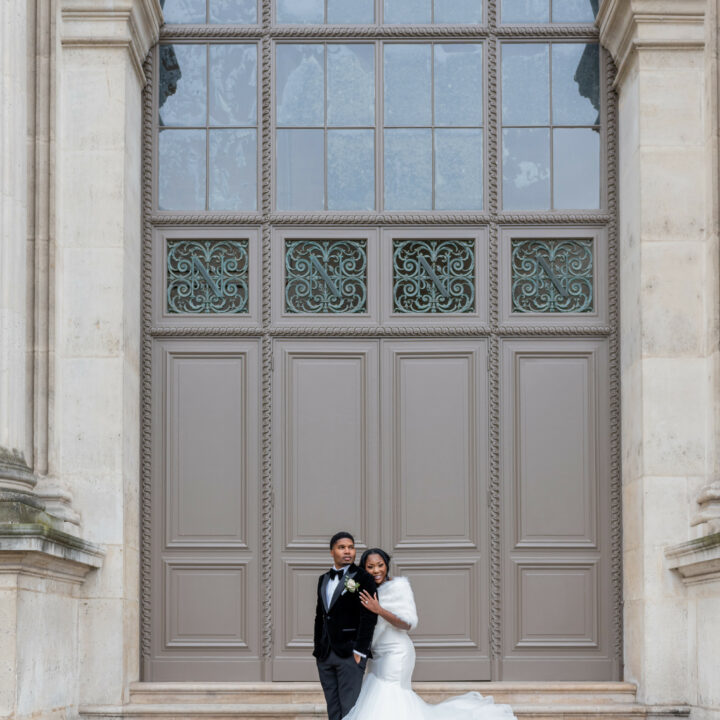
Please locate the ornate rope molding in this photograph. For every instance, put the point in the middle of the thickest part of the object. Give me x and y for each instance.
(146, 379)
(602, 218)
(627, 26)
(579, 32)
(267, 354)
(616, 567)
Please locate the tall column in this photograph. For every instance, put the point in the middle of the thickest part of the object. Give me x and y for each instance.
(95, 425)
(669, 316)
(16, 479)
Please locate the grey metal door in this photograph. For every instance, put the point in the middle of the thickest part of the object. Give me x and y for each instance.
(380, 294)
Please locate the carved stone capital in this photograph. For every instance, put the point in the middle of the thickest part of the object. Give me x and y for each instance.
(697, 561)
(132, 24)
(630, 26)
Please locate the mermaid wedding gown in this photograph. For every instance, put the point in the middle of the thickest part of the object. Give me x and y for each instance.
(386, 693)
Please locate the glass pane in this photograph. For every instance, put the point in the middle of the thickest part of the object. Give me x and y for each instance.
(407, 85)
(301, 11)
(576, 84)
(233, 85)
(181, 173)
(458, 84)
(526, 169)
(408, 169)
(407, 11)
(300, 171)
(182, 84)
(233, 169)
(525, 84)
(458, 170)
(458, 11)
(240, 12)
(351, 85)
(576, 169)
(351, 169)
(351, 12)
(574, 11)
(300, 85)
(525, 11)
(183, 11)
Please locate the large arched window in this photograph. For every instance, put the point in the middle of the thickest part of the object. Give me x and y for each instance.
(380, 277)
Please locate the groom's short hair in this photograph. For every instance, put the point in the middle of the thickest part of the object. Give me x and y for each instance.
(339, 536)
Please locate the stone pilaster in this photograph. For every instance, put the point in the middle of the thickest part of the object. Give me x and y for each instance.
(95, 428)
(669, 317)
(15, 475)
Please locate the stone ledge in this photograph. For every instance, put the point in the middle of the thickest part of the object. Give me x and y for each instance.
(697, 561)
(627, 26)
(41, 551)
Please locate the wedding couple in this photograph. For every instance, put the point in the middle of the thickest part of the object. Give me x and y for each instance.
(364, 613)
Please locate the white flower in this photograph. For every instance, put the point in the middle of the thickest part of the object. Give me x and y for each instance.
(351, 585)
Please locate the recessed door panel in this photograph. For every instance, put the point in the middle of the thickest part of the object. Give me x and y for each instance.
(554, 480)
(434, 484)
(206, 599)
(326, 477)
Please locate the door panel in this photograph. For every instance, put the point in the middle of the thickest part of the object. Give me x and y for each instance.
(326, 477)
(205, 461)
(556, 516)
(435, 469)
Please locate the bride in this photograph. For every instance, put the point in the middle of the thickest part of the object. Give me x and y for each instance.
(386, 693)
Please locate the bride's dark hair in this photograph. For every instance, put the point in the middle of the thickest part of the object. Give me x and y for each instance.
(375, 551)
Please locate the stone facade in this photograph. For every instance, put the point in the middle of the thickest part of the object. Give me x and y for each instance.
(70, 142)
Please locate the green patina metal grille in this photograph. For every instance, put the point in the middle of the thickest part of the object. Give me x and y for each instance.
(434, 276)
(326, 276)
(207, 277)
(552, 276)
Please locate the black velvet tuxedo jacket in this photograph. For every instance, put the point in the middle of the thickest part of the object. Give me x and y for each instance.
(346, 625)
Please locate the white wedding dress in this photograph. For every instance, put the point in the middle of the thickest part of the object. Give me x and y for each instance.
(386, 692)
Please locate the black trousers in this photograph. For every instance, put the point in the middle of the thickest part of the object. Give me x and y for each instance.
(341, 679)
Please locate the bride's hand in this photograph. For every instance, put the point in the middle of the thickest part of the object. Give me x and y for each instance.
(370, 602)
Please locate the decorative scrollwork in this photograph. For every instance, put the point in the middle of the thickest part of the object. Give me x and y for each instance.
(433, 276)
(552, 276)
(326, 276)
(207, 276)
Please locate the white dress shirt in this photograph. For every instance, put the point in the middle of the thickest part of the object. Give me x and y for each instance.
(330, 591)
(332, 585)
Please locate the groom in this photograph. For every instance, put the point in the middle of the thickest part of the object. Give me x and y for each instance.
(343, 627)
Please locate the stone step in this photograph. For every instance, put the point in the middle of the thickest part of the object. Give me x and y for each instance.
(514, 693)
(314, 711)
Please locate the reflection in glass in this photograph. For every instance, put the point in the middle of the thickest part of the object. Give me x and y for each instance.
(576, 84)
(525, 11)
(233, 170)
(576, 169)
(398, 12)
(458, 11)
(351, 169)
(182, 84)
(458, 170)
(408, 169)
(183, 11)
(458, 84)
(233, 85)
(574, 11)
(181, 172)
(525, 84)
(526, 169)
(300, 171)
(239, 12)
(407, 84)
(350, 12)
(351, 85)
(300, 84)
(301, 11)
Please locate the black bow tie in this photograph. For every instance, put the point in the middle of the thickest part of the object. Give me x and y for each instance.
(336, 573)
